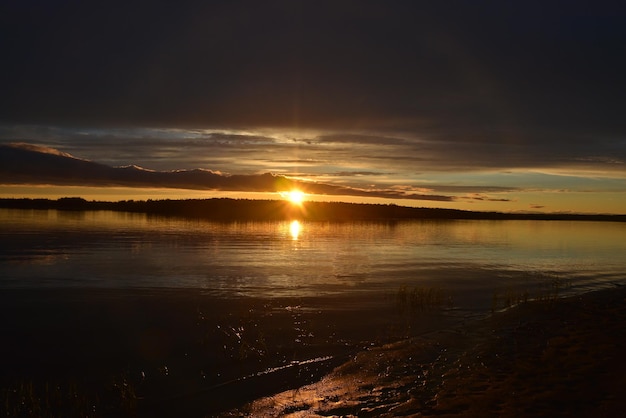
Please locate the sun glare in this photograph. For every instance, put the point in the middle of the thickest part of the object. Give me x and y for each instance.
(295, 196)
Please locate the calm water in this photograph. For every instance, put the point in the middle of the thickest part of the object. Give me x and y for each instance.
(471, 259)
(255, 328)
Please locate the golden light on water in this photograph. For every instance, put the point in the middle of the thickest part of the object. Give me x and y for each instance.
(294, 230)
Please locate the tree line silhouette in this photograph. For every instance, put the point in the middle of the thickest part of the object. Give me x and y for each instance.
(225, 209)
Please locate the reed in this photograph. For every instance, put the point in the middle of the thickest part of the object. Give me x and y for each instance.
(68, 399)
(419, 299)
(548, 293)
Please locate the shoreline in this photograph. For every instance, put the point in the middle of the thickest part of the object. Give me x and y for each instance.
(559, 358)
(183, 348)
(306, 358)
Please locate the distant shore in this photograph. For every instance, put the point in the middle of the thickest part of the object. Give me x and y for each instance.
(224, 209)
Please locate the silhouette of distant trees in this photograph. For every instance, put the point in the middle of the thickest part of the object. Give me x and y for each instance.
(224, 209)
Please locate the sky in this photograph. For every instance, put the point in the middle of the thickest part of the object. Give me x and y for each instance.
(507, 106)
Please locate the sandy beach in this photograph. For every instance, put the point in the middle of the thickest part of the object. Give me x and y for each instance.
(181, 353)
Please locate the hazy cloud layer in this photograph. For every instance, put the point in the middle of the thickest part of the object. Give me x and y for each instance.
(30, 164)
(248, 152)
(332, 164)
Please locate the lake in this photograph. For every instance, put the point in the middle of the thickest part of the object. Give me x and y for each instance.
(188, 310)
(101, 249)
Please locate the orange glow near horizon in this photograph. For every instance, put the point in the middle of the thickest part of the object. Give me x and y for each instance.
(611, 202)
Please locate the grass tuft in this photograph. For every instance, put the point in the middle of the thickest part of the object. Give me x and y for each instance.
(69, 399)
(549, 293)
(419, 299)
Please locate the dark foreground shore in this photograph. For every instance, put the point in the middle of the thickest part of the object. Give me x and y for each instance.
(548, 359)
(183, 353)
(178, 352)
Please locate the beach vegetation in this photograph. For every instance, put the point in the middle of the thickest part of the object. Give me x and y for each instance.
(549, 292)
(30, 399)
(419, 299)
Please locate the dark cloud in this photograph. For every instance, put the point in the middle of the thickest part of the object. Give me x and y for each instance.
(295, 162)
(356, 173)
(400, 159)
(469, 189)
(360, 139)
(458, 70)
(471, 199)
(31, 164)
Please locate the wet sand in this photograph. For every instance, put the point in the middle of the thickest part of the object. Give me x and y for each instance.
(540, 359)
(159, 352)
(172, 352)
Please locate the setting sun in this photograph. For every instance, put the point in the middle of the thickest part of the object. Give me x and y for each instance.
(295, 196)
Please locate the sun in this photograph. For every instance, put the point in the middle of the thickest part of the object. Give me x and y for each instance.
(295, 196)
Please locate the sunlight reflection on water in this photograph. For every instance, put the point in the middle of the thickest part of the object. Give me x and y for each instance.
(294, 229)
(120, 250)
